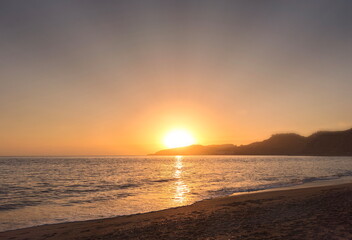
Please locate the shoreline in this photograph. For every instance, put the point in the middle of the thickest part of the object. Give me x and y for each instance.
(316, 183)
(182, 221)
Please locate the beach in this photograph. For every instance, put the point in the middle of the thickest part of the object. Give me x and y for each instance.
(323, 212)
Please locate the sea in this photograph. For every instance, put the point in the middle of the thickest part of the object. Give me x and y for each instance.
(44, 190)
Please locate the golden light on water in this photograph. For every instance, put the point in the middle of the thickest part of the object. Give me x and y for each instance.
(178, 138)
(181, 189)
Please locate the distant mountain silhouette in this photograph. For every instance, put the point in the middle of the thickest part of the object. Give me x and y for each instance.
(338, 143)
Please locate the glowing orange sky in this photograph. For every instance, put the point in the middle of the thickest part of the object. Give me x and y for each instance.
(114, 78)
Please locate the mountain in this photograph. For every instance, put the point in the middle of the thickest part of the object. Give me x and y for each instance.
(337, 143)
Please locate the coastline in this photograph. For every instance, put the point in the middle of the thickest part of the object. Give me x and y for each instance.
(319, 210)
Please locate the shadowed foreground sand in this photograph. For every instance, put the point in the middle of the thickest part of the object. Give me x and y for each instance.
(308, 213)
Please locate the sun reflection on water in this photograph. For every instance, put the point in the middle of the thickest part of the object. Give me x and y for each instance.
(181, 189)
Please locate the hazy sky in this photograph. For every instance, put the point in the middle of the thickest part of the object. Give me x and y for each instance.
(112, 77)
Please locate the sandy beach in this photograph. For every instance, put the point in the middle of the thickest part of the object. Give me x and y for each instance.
(323, 212)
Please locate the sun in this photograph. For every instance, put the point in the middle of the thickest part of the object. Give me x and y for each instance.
(178, 138)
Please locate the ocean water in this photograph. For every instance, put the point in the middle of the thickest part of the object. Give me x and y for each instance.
(42, 190)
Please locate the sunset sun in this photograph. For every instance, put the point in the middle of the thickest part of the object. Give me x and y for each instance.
(178, 138)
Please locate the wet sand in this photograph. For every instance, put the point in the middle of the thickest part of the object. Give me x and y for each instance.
(305, 213)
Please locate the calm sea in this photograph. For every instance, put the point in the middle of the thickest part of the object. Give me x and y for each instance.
(41, 190)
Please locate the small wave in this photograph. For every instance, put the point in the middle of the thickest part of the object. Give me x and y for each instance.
(293, 182)
(128, 185)
(324, 178)
(313, 179)
(344, 174)
(269, 179)
(100, 188)
(13, 206)
(163, 180)
(97, 199)
(77, 185)
(5, 207)
(229, 191)
(73, 191)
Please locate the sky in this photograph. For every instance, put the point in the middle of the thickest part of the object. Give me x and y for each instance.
(113, 77)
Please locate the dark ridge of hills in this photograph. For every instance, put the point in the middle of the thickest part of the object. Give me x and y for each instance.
(325, 143)
(330, 143)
